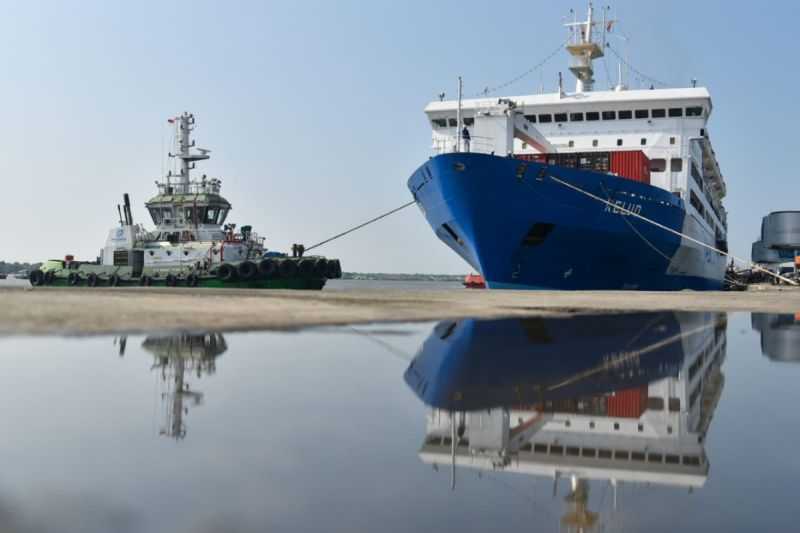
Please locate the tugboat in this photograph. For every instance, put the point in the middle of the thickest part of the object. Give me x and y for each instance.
(192, 245)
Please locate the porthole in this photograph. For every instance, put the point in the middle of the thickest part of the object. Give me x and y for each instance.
(594, 142)
(185, 252)
(169, 252)
(151, 253)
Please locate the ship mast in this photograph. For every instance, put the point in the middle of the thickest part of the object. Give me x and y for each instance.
(584, 50)
(184, 125)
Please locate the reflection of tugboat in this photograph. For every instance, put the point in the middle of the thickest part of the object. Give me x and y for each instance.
(629, 402)
(178, 357)
(191, 245)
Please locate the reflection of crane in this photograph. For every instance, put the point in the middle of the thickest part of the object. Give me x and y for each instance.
(175, 356)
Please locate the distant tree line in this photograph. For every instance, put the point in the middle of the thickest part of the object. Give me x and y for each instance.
(12, 268)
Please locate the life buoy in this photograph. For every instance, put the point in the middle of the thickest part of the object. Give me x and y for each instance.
(74, 279)
(287, 268)
(91, 279)
(306, 267)
(247, 270)
(114, 280)
(226, 272)
(36, 278)
(268, 268)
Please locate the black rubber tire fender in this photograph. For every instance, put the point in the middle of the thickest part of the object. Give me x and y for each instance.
(287, 268)
(306, 267)
(171, 280)
(145, 281)
(247, 270)
(74, 279)
(268, 268)
(192, 280)
(49, 277)
(226, 272)
(320, 268)
(91, 279)
(334, 269)
(36, 278)
(114, 280)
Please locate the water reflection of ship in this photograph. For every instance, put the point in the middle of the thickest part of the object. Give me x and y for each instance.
(624, 398)
(176, 358)
(780, 335)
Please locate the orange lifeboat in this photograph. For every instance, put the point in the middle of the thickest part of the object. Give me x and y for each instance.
(474, 281)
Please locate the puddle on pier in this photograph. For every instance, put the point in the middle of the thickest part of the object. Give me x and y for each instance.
(648, 421)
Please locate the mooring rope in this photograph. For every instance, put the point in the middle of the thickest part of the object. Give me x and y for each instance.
(367, 223)
(670, 230)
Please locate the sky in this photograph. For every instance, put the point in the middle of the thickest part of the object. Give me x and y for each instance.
(313, 110)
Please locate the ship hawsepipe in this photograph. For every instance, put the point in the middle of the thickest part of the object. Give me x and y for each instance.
(522, 230)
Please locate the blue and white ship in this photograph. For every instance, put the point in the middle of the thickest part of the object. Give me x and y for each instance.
(614, 189)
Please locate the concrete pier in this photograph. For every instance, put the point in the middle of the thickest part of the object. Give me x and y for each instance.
(104, 310)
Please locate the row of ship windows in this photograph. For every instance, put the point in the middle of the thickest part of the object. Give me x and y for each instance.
(626, 114)
(596, 142)
(624, 455)
(591, 116)
(600, 453)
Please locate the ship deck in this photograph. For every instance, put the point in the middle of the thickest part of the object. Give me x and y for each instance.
(69, 311)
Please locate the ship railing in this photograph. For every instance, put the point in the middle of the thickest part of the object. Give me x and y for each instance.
(208, 186)
(477, 144)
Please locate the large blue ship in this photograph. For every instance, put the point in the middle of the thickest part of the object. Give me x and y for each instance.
(614, 189)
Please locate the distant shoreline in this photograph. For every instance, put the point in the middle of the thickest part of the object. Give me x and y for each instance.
(379, 276)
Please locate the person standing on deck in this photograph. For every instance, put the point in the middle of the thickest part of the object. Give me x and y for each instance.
(466, 138)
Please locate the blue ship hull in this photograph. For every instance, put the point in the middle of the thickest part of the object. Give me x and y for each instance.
(473, 364)
(522, 230)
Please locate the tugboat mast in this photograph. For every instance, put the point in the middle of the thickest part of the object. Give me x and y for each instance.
(184, 125)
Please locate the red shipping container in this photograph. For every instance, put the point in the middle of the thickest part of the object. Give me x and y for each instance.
(628, 403)
(633, 165)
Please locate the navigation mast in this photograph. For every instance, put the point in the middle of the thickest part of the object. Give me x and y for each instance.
(584, 50)
(184, 125)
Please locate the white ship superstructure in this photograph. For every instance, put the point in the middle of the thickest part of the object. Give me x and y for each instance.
(189, 217)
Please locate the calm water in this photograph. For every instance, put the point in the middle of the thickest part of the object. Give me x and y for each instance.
(643, 422)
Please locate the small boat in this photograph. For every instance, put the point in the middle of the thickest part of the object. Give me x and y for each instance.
(474, 281)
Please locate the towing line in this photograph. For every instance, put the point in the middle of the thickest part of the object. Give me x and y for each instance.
(670, 230)
(367, 223)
